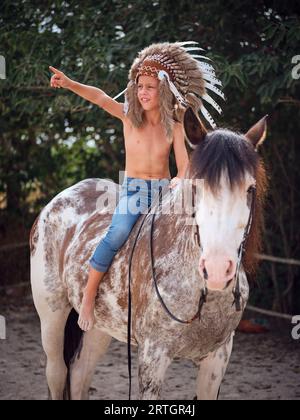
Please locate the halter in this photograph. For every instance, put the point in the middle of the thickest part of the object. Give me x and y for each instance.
(204, 290)
(203, 295)
(236, 285)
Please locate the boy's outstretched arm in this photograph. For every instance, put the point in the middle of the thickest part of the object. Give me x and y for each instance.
(90, 93)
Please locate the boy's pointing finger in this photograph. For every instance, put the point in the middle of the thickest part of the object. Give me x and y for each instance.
(54, 70)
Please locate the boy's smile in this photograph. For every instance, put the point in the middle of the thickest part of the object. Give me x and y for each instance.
(148, 92)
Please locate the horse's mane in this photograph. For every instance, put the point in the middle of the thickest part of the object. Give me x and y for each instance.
(254, 242)
(224, 151)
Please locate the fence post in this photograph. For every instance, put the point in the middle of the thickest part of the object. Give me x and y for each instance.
(2, 328)
(2, 67)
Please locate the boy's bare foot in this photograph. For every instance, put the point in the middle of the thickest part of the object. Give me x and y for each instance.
(86, 316)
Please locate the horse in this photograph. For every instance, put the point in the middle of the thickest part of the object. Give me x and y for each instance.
(68, 229)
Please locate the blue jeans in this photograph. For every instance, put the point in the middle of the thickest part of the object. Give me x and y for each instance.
(135, 198)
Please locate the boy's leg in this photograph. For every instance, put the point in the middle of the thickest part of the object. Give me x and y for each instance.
(124, 218)
(122, 223)
(86, 316)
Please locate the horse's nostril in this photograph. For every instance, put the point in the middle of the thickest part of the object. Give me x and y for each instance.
(230, 269)
(205, 273)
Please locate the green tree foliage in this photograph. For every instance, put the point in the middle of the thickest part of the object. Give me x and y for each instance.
(50, 139)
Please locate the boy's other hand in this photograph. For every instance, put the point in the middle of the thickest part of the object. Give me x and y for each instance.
(174, 182)
(59, 79)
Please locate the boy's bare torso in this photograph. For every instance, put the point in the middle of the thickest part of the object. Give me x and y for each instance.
(147, 151)
(147, 148)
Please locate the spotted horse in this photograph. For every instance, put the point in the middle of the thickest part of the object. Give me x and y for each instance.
(228, 218)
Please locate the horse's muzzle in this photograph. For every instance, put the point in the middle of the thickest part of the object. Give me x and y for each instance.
(217, 271)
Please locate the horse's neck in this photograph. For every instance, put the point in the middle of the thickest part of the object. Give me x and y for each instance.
(174, 235)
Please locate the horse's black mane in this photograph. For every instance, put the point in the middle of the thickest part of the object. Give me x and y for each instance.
(223, 151)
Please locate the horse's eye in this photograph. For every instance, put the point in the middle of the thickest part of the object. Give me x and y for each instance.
(251, 189)
(250, 195)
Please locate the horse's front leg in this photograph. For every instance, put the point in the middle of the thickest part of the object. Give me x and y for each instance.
(154, 361)
(212, 370)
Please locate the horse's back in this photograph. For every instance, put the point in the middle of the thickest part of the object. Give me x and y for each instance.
(83, 199)
(82, 210)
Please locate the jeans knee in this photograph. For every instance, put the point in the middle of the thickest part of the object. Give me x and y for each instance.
(117, 237)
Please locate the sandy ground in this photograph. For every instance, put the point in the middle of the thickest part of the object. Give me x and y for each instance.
(262, 366)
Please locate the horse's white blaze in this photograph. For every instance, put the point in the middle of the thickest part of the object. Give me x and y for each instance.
(222, 219)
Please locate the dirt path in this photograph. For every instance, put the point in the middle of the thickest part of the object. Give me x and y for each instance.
(265, 366)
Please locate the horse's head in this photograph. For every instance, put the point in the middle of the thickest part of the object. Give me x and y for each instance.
(231, 169)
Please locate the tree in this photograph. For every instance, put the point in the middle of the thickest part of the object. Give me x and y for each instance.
(51, 139)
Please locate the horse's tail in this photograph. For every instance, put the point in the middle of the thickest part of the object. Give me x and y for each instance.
(72, 348)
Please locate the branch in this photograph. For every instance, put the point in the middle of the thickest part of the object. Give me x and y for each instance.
(269, 313)
(291, 101)
(47, 89)
(10, 247)
(289, 261)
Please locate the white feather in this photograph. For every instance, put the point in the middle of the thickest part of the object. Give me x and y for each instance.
(206, 66)
(120, 94)
(190, 43)
(186, 42)
(200, 56)
(215, 90)
(207, 71)
(207, 116)
(193, 49)
(212, 102)
(213, 80)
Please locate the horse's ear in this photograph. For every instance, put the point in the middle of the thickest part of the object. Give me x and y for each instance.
(193, 127)
(258, 132)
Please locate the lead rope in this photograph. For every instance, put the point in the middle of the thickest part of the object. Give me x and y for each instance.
(204, 291)
(175, 318)
(129, 304)
(203, 295)
(236, 288)
(129, 296)
(202, 299)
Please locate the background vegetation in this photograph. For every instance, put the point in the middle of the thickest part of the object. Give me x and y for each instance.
(50, 139)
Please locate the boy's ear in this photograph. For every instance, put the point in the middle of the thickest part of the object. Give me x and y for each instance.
(195, 131)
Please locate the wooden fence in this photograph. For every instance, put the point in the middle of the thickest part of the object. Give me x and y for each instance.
(264, 257)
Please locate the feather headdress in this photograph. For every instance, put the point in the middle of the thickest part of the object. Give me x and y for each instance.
(184, 81)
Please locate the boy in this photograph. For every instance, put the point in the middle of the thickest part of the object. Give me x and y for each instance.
(152, 122)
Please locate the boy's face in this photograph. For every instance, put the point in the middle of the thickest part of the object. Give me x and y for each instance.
(148, 94)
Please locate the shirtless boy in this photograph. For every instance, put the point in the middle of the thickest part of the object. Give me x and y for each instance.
(147, 144)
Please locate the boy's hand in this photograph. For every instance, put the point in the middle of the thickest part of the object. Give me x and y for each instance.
(59, 79)
(174, 182)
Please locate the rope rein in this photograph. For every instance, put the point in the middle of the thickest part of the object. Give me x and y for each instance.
(202, 300)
